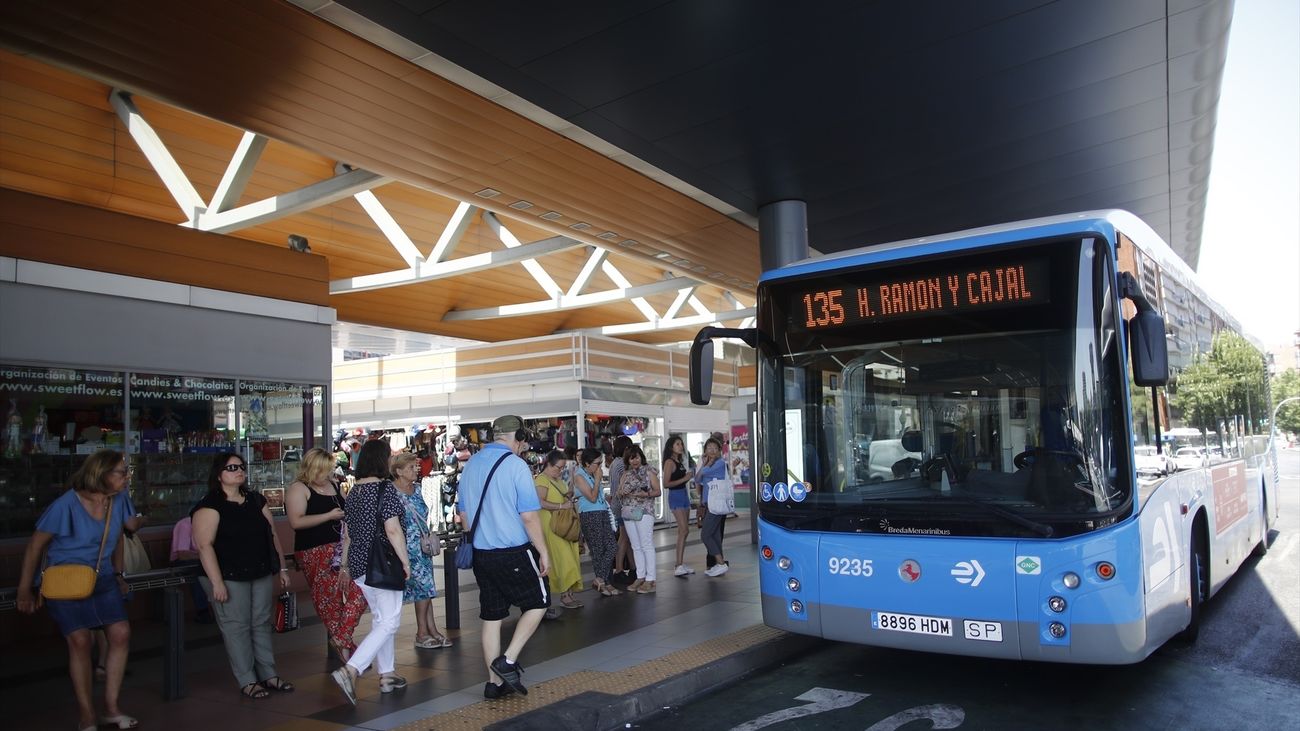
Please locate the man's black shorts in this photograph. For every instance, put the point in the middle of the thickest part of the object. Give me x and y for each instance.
(509, 577)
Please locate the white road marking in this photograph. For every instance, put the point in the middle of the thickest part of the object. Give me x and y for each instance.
(823, 699)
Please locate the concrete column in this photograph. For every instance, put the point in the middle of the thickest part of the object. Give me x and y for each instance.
(782, 233)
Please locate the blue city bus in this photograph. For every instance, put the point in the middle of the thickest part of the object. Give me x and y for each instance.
(945, 445)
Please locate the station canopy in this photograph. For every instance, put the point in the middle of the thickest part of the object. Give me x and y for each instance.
(495, 171)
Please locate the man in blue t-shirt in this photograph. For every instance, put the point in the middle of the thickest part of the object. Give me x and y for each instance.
(510, 558)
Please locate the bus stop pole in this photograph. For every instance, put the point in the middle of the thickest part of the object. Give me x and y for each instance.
(451, 585)
(173, 643)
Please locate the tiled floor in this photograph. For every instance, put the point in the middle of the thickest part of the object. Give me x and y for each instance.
(607, 635)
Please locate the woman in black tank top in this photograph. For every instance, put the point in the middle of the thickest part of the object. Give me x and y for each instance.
(676, 481)
(315, 509)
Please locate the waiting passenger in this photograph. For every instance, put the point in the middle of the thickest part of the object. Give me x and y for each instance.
(566, 575)
(598, 527)
(624, 565)
(712, 467)
(420, 545)
(185, 554)
(637, 491)
(83, 526)
(314, 506)
(240, 552)
(676, 481)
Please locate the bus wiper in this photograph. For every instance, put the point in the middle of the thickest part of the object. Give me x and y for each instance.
(1041, 529)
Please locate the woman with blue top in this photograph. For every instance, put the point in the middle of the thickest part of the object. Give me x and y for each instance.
(420, 542)
(712, 467)
(596, 518)
(84, 526)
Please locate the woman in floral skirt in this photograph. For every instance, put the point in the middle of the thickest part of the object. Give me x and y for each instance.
(314, 506)
(420, 587)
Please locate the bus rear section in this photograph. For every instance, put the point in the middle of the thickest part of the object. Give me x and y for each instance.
(1078, 600)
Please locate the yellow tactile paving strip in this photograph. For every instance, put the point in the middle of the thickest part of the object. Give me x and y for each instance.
(475, 717)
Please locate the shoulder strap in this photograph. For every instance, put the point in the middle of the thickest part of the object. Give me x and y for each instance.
(379, 505)
(479, 512)
(104, 538)
(420, 525)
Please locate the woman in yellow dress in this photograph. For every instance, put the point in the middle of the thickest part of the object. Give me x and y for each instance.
(565, 576)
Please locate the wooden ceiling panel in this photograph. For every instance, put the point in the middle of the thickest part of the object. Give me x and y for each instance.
(327, 96)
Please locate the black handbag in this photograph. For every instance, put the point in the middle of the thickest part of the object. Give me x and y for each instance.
(384, 568)
(465, 551)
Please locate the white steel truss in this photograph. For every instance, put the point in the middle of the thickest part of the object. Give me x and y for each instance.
(220, 215)
(423, 272)
(568, 301)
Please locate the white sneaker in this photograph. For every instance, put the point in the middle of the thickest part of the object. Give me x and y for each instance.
(717, 570)
(682, 570)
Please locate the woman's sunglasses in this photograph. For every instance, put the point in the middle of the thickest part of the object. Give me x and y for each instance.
(235, 468)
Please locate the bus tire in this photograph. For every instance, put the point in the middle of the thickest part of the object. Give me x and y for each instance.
(1198, 566)
(1261, 548)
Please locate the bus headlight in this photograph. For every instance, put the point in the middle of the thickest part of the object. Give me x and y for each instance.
(796, 606)
(1056, 604)
(1071, 580)
(784, 563)
(1056, 629)
(792, 584)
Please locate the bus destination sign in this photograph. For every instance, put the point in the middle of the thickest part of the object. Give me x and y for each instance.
(1012, 284)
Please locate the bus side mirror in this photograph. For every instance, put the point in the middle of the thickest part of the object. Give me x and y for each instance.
(702, 367)
(1147, 348)
(1146, 336)
(702, 358)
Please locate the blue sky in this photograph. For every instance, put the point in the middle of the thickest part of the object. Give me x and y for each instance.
(1250, 246)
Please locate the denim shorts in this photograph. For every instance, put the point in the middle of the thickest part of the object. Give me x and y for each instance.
(679, 498)
(104, 607)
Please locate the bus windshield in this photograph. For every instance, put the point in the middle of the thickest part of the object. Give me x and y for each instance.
(946, 419)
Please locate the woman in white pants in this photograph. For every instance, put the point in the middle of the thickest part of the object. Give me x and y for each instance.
(373, 501)
(637, 491)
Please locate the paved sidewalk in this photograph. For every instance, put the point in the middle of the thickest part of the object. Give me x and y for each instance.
(615, 636)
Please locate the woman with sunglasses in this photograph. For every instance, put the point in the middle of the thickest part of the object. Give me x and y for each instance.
(71, 531)
(315, 509)
(240, 553)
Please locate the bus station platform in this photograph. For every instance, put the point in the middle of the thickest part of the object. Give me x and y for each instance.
(608, 663)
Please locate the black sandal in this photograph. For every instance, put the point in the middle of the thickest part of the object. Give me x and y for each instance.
(254, 690)
(280, 684)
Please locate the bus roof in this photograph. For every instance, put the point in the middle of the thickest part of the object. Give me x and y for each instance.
(1102, 222)
(1097, 222)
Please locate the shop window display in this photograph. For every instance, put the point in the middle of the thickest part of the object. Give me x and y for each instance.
(279, 421)
(52, 419)
(176, 424)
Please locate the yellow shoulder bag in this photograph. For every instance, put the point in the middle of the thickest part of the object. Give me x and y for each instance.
(72, 581)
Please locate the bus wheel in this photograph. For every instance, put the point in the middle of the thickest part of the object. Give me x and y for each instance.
(1198, 568)
(1261, 548)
